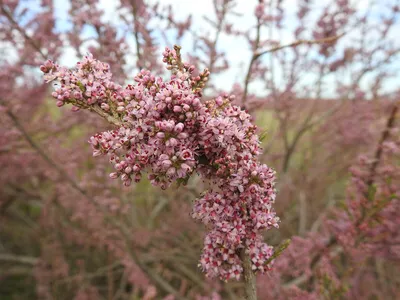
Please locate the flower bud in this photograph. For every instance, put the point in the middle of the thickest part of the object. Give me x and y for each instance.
(182, 135)
(127, 182)
(219, 101)
(160, 135)
(171, 171)
(114, 175)
(172, 142)
(179, 127)
(163, 157)
(177, 109)
(105, 106)
(166, 163)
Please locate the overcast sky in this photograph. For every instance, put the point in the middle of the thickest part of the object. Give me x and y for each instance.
(237, 50)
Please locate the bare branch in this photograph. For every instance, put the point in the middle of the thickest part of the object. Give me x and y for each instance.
(300, 42)
(248, 276)
(110, 119)
(136, 33)
(124, 230)
(274, 49)
(18, 259)
(22, 31)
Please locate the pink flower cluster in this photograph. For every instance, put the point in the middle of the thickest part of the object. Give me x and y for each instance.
(372, 217)
(89, 84)
(169, 133)
(240, 207)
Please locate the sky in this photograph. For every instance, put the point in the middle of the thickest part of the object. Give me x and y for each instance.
(237, 50)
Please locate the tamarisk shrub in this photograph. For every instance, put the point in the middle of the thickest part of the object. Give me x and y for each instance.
(357, 240)
(292, 65)
(164, 129)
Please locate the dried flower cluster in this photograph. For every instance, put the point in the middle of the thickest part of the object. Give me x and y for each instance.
(166, 131)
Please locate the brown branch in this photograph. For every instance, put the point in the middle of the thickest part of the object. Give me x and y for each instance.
(274, 49)
(10, 18)
(18, 259)
(333, 241)
(50, 161)
(99, 272)
(300, 42)
(16, 271)
(136, 34)
(379, 151)
(252, 61)
(154, 276)
(160, 282)
(213, 56)
(307, 125)
(303, 213)
(191, 275)
(110, 119)
(249, 277)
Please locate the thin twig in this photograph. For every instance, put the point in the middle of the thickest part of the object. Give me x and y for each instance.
(136, 33)
(302, 213)
(379, 150)
(39, 150)
(252, 61)
(278, 251)
(18, 259)
(307, 124)
(124, 231)
(378, 156)
(277, 48)
(21, 30)
(110, 119)
(300, 42)
(213, 56)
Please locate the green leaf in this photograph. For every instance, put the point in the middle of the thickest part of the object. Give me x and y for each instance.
(371, 192)
(279, 250)
(81, 86)
(263, 135)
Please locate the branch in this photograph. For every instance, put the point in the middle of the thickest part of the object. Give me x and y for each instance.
(279, 250)
(22, 31)
(378, 154)
(248, 276)
(18, 259)
(136, 34)
(274, 49)
(155, 277)
(300, 42)
(191, 275)
(126, 233)
(213, 55)
(307, 124)
(110, 119)
(50, 161)
(296, 281)
(303, 211)
(384, 137)
(252, 61)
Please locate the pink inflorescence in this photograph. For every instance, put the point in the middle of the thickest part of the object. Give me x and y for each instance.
(169, 133)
